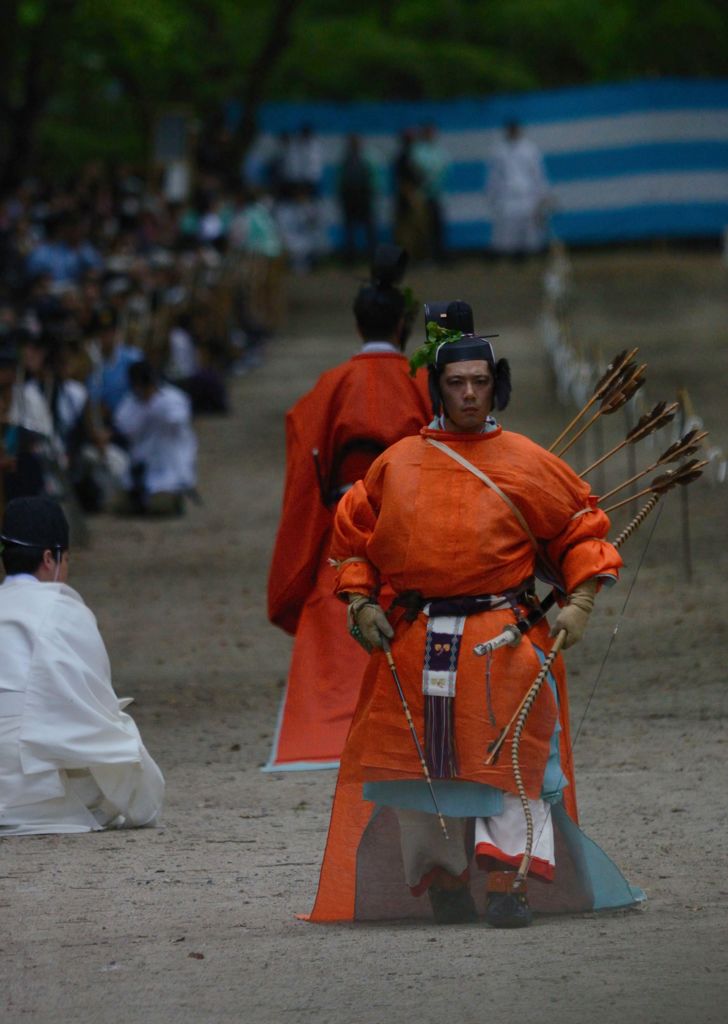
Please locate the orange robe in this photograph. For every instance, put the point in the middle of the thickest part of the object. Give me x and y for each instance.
(370, 398)
(419, 521)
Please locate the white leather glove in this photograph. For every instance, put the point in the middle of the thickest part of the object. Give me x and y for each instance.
(367, 622)
(574, 616)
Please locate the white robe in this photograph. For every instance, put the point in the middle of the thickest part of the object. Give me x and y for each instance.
(71, 760)
(160, 435)
(29, 409)
(517, 194)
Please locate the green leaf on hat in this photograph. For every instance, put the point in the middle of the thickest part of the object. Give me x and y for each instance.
(426, 354)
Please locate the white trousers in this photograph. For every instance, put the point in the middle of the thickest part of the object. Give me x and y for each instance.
(502, 836)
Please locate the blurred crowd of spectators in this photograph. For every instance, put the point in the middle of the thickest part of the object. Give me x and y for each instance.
(124, 307)
(121, 315)
(114, 269)
(289, 169)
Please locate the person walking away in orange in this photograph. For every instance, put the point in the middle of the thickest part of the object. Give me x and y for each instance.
(333, 434)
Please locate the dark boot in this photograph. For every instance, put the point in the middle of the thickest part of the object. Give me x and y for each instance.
(452, 906)
(506, 907)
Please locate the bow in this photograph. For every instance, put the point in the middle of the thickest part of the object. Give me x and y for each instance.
(512, 635)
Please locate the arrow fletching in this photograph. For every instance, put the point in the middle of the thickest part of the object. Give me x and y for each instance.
(691, 471)
(618, 381)
(625, 390)
(681, 476)
(688, 444)
(615, 369)
(657, 418)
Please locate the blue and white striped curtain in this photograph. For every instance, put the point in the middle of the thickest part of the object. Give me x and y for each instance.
(626, 161)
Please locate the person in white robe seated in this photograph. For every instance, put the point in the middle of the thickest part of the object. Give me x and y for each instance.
(71, 759)
(155, 420)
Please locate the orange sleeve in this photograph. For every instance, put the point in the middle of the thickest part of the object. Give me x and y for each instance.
(564, 516)
(303, 530)
(581, 550)
(353, 526)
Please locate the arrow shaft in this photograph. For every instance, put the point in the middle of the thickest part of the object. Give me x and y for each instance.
(620, 394)
(582, 412)
(601, 389)
(687, 446)
(413, 731)
(631, 480)
(660, 415)
(580, 433)
(603, 458)
(633, 497)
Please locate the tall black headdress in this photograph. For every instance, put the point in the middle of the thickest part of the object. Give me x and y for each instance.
(388, 264)
(380, 305)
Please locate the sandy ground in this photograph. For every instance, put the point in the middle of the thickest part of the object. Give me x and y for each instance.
(194, 922)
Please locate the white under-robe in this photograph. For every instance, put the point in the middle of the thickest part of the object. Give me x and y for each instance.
(71, 760)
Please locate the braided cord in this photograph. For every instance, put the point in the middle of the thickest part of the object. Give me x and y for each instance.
(637, 521)
(520, 878)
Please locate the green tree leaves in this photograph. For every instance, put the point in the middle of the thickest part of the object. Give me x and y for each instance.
(82, 75)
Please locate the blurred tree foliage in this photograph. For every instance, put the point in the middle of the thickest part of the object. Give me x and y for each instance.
(81, 78)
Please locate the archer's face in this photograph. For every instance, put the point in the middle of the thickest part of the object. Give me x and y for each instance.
(467, 394)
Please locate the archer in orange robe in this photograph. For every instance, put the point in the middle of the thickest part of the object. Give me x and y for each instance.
(354, 411)
(421, 522)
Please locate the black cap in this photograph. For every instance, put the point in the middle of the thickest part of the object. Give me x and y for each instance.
(459, 317)
(35, 522)
(466, 348)
(388, 264)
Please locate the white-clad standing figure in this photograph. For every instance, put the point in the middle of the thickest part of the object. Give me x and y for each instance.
(518, 194)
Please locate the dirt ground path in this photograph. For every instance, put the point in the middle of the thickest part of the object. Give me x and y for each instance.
(194, 922)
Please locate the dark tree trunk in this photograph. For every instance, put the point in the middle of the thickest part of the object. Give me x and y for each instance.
(28, 64)
(274, 44)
